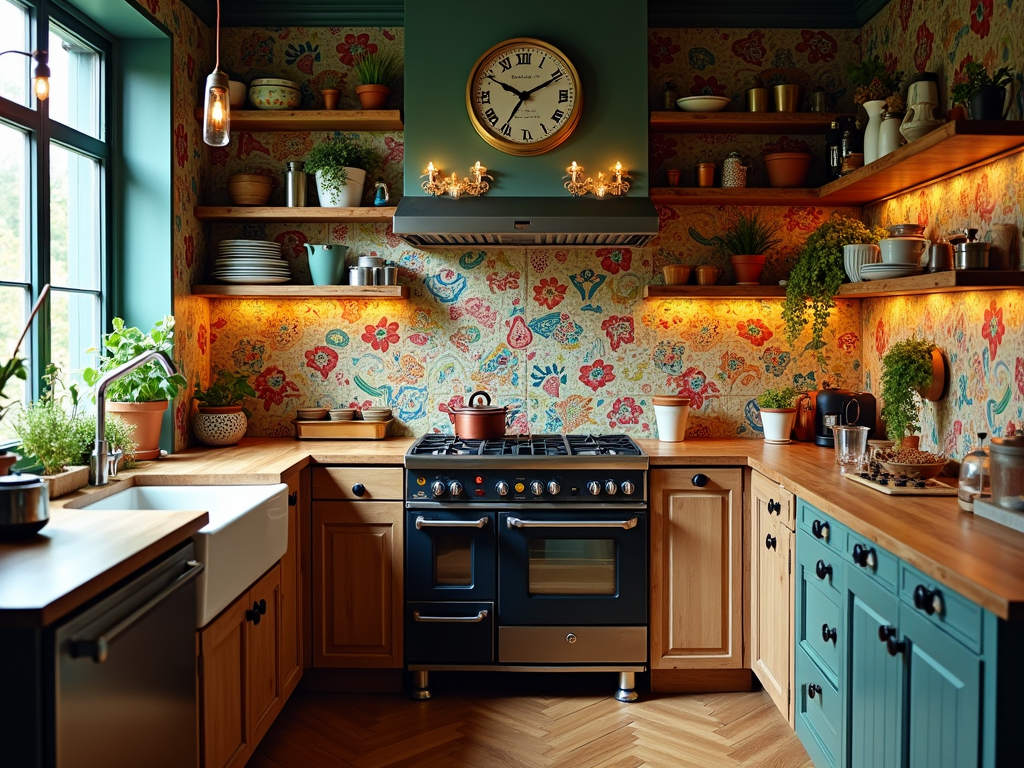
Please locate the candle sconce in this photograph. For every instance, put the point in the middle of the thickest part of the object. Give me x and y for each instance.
(580, 185)
(436, 183)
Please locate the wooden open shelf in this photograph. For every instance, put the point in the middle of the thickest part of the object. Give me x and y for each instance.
(714, 292)
(251, 120)
(733, 196)
(307, 215)
(767, 123)
(302, 291)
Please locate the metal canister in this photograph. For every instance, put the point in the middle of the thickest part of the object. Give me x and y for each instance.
(360, 275)
(295, 184)
(371, 261)
(378, 275)
(390, 275)
(971, 255)
(940, 257)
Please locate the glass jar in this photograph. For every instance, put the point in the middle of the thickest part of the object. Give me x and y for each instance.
(974, 475)
(1008, 472)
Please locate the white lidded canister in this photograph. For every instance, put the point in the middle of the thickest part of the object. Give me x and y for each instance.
(671, 412)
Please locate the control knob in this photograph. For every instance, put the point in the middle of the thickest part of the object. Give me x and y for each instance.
(537, 488)
(627, 488)
(455, 488)
(437, 489)
(594, 487)
(611, 488)
(502, 488)
(554, 488)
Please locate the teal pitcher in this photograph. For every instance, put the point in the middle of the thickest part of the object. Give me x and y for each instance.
(326, 263)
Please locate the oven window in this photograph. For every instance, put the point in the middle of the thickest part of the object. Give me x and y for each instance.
(572, 567)
(453, 560)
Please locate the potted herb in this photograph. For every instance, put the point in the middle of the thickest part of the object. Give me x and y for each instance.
(875, 84)
(817, 275)
(984, 95)
(745, 245)
(142, 396)
(778, 414)
(340, 165)
(378, 73)
(118, 433)
(221, 419)
(787, 162)
(908, 373)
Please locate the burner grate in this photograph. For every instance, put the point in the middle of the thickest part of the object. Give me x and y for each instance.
(602, 445)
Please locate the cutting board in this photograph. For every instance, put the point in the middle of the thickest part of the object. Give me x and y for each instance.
(932, 488)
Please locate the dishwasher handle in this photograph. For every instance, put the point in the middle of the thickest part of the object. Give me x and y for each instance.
(97, 648)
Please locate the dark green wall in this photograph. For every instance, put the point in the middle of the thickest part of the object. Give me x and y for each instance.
(606, 40)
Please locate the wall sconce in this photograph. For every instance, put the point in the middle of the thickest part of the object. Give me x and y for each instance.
(217, 110)
(437, 184)
(41, 74)
(578, 185)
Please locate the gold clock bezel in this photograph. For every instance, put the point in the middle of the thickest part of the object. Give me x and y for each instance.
(518, 148)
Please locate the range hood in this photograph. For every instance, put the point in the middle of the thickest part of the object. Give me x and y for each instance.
(525, 221)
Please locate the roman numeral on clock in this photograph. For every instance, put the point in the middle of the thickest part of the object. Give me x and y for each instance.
(492, 116)
(506, 64)
(557, 115)
(485, 97)
(563, 96)
(506, 130)
(543, 127)
(527, 136)
(523, 58)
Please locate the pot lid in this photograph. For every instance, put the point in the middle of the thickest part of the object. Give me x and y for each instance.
(677, 400)
(1013, 446)
(20, 481)
(474, 405)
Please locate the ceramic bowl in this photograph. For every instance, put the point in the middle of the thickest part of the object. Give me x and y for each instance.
(236, 94)
(702, 103)
(906, 230)
(903, 250)
(922, 471)
(311, 414)
(249, 189)
(343, 414)
(676, 274)
(856, 255)
(269, 93)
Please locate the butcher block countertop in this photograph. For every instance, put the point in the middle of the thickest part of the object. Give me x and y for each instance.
(980, 559)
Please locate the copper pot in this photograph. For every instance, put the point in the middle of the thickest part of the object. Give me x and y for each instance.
(803, 428)
(480, 422)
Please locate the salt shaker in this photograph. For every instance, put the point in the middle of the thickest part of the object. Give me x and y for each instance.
(295, 184)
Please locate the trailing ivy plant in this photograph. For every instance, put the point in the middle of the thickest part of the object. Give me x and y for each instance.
(781, 397)
(330, 159)
(906, 372)
(751, 236)
(817, 275)
(148, 383)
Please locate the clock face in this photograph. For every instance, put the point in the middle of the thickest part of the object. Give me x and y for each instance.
(524, 97)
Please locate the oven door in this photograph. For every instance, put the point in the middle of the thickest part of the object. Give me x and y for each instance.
(572, 567)
(450, 555)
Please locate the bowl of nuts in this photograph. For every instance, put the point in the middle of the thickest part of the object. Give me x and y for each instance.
(911, 463)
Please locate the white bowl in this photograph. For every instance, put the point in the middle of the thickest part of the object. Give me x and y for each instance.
(702, 103)
(856, 255)
(904, 250)
(888, 271)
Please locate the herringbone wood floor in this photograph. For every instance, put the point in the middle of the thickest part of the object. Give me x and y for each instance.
(491, 726)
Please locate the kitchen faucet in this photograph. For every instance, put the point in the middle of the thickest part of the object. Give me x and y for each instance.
(99, 466)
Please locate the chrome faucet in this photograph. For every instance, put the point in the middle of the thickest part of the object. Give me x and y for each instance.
(99, 462)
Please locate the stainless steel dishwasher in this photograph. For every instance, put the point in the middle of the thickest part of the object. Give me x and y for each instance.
(125, 673)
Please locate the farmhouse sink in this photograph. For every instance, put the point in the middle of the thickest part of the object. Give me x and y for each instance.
(246, 535)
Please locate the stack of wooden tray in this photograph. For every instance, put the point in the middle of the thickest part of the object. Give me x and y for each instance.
(341, 430)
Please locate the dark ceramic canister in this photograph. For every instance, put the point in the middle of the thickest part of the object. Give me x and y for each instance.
(988, 103)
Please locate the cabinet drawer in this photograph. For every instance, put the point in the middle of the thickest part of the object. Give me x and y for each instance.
(818, 717)
(870, 559)
(820, 610)
(449, 633)
(778, 502)
(820, 526)
(812, 557)
(376, 483)
(951, 611)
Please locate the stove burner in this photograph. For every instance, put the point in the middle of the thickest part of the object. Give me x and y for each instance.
(436, 444)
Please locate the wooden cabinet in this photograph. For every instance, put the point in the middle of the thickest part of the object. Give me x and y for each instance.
(772, 520)
(240, 674)
(293, 568)
(696, 575)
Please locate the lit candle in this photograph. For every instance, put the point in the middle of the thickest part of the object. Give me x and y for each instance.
(599, 187)
(478, 171)
(431, 171)
(574, 170)
(454, 189)
(618, 172)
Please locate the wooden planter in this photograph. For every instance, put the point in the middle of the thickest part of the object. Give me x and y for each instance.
(71, 479)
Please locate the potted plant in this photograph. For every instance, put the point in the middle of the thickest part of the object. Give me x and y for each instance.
(14, 368)
(142, 396)
(221, 419)
(118, 433)
(745, 245)
(908, 374)
(984, 95)
(378, 73)
(340, 165)
(778, 413)
(875, 83)
(787, 162)
(817, 275)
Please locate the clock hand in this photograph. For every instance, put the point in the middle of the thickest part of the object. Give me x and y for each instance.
(507, 87)
(542, 85)
(515, 109)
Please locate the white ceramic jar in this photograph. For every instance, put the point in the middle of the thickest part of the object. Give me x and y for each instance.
(672, 413)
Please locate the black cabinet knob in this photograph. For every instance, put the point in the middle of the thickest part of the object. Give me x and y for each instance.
(770, 542)
(261, 606)
(359, 489)
(894, 646)
(774, 506)
(813, 690)
(864, 556)
(828, 634)
(821, 570)
(293, 497)
(820, 529)
(253, 614)
(927, 600)
(885, 632)
(700, 480)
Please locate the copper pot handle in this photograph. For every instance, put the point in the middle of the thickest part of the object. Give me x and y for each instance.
(479, 393)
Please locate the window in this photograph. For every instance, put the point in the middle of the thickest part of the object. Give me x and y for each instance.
(54, 158)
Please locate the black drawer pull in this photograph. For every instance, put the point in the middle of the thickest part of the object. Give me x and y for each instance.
(293, 497)
(928, 600)
(821, 570)
(828, 634)
(820, 530)
(359, 490)
(770, 542)
(885, 632)
(865, 557)
(258, 610)
(894, 646)
(774, 506)
(700, 480)
(813, 690)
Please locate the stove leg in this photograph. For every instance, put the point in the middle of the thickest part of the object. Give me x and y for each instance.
(421, 686)
(627, 687)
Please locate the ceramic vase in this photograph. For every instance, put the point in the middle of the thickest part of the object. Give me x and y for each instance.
(889, 136)
(777, 424)
(219, 426)
(923, 115)
(874, 110)
(350, 195)
(147, 418)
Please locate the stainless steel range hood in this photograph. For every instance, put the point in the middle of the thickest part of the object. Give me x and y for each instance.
(525, 221)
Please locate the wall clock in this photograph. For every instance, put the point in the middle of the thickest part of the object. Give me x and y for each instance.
(524, 96)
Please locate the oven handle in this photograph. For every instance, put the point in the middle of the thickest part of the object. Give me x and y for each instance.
(417, 616)
(423, 522)
(515, 522)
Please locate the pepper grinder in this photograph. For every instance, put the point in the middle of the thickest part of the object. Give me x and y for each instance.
(295, 184)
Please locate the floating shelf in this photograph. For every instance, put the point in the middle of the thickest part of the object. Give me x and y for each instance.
(314, 120)
(767, 123)
(302, 291)
(307, 215)
(733, 196)
(714, 292)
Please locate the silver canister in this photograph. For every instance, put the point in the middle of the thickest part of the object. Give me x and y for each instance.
(390, 275)
(971, 255)
(940, 257)
(378, 275)
(295, 184)
(371, 261)
(24, 505)
(360, 275)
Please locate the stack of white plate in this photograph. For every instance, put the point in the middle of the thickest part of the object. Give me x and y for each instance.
(253, 262)
(888, 271)
(343, 414)
(376, 414)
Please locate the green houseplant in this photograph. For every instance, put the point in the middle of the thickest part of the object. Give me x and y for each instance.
(984, 95)
(873, 80)
(143, 395)
(221, 418)
(14, 368)
(340, 165)
(778, 414)
(746, 243)
(378, 73)
(118, 433)
(817, 275)
(907, 375)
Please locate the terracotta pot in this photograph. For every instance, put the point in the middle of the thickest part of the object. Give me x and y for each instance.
(911, 442)
(219, 426)
(777, 424)
(748, 268)
(788, 169)
(957, 113)
(373, 96)
(330, 97)
(147, 418)
(480, 422)
(7, 460)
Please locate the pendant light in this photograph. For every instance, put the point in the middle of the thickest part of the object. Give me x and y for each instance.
(217, 110)
(41, 73)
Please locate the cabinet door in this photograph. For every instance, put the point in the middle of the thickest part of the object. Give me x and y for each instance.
(291, 591)
(771, 610)
(876, 677)
(696, 569)
(224, 688)
(944, 696)
(357, 584)
(264, 643)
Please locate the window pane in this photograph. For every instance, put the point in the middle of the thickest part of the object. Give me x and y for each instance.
(13, 199)
(13, 311)
(74, 83)
(14, 26)
(75, 224)
(74, 328)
